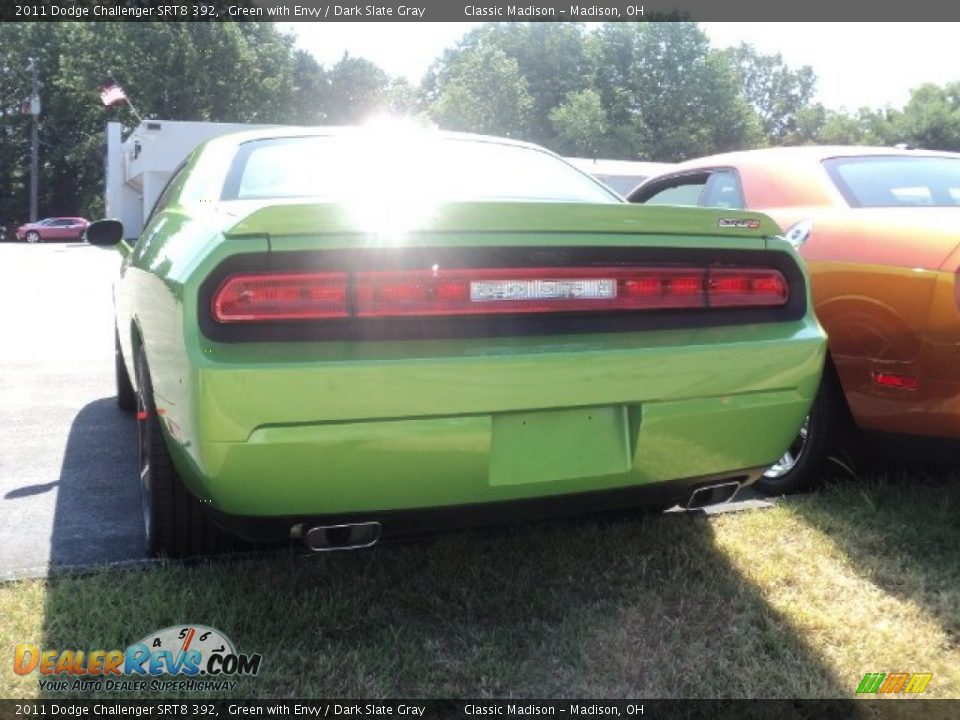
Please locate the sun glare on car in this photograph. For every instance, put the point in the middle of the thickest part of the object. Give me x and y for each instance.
(392, 187)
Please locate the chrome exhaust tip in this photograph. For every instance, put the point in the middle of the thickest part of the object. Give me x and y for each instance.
(351, 536)
(713, 495)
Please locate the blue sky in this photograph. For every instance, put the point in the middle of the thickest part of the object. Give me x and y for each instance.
(857, 64)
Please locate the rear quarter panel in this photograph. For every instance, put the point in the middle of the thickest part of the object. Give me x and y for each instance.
(874, 278)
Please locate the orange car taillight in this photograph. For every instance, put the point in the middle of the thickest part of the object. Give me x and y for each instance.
(956, 288)
(897, 381)
(287, 296)
(494, 291)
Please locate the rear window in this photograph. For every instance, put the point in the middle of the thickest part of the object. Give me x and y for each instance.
(897, 181)
(679, 191)
(621, 183)
(341, 168)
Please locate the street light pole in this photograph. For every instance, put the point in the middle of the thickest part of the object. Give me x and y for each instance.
(34, 139)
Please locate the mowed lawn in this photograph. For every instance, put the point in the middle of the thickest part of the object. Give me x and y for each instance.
(796, 601)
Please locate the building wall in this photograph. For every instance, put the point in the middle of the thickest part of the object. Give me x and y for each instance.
(137, 168)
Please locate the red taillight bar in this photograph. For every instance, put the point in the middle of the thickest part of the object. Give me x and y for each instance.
(493, 291)
(286, 296)
(747, 287)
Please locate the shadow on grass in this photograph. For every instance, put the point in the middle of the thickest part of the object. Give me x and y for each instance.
(901, 529)
(613, 606)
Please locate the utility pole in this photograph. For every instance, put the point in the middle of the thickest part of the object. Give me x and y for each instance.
(34, 139)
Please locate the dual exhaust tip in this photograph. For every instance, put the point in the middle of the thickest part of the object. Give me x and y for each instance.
(349, 536)
(356, 536)
(713, 494)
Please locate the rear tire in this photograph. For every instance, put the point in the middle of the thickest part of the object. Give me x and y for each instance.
(175, 522)
(126, 395)
(802, 465)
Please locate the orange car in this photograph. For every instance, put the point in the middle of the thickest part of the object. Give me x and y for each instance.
(880, 231)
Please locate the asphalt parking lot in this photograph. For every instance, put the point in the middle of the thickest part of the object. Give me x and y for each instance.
(68, 494)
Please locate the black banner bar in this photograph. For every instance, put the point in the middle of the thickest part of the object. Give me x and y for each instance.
(443, 709)
(478, 11)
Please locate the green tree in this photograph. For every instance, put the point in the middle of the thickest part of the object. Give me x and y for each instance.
(616, 48)
(809, 122)
(358, 90)
(777, 93)
(931, 118)
(552, 58)
(401, 98)
(14, 127)
(839, 127)
(310, 102)
(670, 97)
(580, 123)
(481, 91)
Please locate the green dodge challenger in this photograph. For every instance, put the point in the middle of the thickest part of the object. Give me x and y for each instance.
(333, 334)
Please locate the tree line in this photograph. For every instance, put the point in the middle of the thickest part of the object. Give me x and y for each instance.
(651, 91)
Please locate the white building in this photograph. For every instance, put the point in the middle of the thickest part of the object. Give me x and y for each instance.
(137, 169)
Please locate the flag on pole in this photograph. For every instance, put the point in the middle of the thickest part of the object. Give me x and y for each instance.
(111, 94)
(30, 105)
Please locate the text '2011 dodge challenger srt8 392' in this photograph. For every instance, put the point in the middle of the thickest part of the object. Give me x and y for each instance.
(331, 334)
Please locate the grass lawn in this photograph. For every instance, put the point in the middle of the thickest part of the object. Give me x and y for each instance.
(796, 601)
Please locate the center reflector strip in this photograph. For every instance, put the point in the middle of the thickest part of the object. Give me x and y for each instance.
(494, 290)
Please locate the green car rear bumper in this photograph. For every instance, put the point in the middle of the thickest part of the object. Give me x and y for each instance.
(269, 435)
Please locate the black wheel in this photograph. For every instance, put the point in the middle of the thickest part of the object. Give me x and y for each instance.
(802, 465)
(33, 237)
(126, 396)
(175, 522)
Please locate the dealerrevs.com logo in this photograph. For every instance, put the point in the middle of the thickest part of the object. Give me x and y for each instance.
(204, 657)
